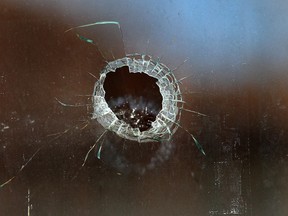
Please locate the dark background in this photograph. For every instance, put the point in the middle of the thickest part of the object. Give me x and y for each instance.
(237, 54)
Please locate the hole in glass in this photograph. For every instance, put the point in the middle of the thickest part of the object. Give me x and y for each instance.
(134, 97)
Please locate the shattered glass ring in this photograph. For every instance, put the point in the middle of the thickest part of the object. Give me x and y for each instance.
(167, 120)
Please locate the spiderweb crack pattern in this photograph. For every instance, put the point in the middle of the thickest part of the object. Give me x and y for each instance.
(167, 120)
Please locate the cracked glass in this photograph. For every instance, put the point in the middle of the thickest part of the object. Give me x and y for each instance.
(229, 60)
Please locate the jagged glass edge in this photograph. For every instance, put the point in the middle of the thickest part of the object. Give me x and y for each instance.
(168, 119)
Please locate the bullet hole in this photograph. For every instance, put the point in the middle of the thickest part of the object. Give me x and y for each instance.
(133, 97)
(138, 98)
